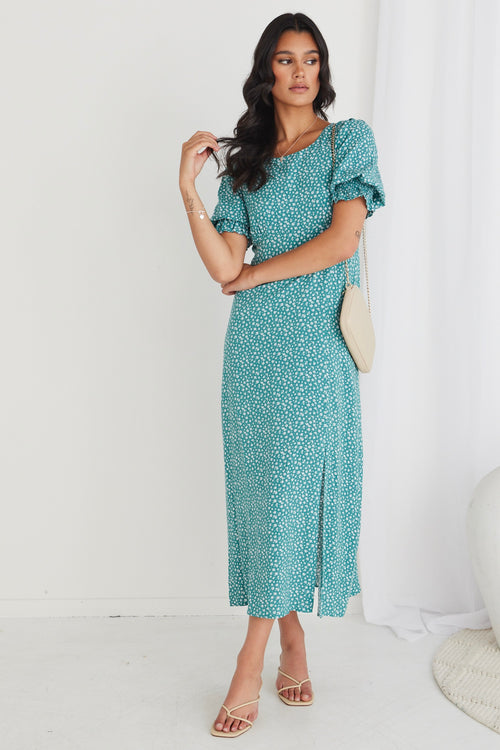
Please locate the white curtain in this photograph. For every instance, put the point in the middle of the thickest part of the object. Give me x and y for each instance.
(432, 401)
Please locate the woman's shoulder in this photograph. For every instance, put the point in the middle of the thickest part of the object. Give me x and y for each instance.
(354, 138)
(353, 128)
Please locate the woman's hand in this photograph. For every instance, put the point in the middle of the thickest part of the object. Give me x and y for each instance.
(245, 280)
(191, 161)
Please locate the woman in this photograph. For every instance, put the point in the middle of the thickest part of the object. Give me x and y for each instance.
(290, 397)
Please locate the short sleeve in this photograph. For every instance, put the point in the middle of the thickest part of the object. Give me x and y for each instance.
(355, 171)
(230, 213)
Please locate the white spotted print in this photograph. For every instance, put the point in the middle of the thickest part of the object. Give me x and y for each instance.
(290, 406)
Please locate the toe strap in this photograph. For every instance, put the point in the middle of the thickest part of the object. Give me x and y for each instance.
(234, 708)
(297, 683)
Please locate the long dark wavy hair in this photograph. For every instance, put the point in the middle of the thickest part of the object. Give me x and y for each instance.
(255, 134)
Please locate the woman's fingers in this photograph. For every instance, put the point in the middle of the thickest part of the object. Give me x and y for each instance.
(200, 141)
(205, 133)
(195, 152)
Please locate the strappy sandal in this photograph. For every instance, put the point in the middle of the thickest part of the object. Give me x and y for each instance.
(292, 687)
(231, 733)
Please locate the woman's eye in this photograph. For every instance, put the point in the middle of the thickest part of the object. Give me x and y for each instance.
(286, 60)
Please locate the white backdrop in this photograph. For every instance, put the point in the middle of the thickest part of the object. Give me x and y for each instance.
(432, 403)
(112, 331)
(112, 483)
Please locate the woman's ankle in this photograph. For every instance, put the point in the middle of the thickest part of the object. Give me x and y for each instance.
(292, 636)
(290, 648)
(250, 662)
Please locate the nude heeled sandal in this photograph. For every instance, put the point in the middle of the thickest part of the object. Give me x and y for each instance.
(292, 687)
(219, 733)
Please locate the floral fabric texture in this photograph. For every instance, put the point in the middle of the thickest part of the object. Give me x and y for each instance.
(290, 406)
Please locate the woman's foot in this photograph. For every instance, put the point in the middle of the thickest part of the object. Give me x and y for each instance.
(293, 661)
(245, 686)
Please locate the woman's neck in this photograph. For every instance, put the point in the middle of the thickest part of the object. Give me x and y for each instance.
(292, 121)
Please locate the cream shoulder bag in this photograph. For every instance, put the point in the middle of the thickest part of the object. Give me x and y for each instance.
(355, 315)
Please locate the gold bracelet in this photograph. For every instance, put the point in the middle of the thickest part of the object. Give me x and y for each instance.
(200, 211)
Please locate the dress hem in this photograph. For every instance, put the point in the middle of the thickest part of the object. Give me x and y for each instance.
(338, 611)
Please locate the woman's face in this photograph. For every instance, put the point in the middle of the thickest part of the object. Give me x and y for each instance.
(295, 65)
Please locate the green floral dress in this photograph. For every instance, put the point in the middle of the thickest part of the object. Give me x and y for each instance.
(290, 405)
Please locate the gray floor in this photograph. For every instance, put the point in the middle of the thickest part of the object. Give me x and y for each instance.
(145, 683)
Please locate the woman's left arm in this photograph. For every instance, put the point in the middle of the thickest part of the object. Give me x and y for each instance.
(336, 244)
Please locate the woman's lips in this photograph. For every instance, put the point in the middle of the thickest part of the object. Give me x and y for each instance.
(299, 88)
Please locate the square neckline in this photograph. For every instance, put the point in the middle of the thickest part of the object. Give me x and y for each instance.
(301, 150)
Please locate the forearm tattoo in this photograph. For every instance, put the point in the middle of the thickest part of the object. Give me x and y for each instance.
(189, 201)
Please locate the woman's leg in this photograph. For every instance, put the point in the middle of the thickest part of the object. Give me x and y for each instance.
(247, 681)
(293, 658)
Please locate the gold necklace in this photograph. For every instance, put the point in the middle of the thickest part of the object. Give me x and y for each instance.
(295, 141)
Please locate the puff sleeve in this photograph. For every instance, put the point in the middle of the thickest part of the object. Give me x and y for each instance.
(230, 213)
(355, 171)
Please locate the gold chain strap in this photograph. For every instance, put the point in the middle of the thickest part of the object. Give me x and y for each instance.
(365, 257)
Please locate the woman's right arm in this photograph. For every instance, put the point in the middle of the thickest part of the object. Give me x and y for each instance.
(223, 254)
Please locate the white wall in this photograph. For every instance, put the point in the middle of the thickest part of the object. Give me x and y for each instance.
(112, 482)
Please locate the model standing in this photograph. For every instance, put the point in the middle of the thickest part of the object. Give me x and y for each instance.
(290, 402)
